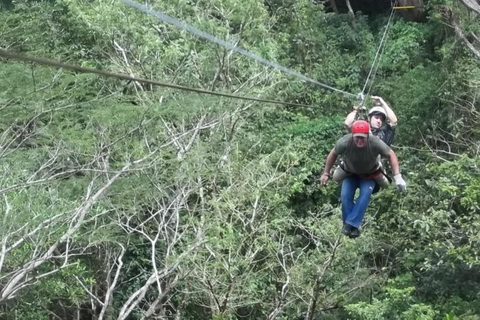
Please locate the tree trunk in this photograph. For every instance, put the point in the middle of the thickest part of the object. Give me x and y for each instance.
(334, 6)
(350, 10)
(472, 5)
(450, 20)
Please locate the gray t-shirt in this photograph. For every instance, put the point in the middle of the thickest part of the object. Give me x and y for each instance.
(361, 160)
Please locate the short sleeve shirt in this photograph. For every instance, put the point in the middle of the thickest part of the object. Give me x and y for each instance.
(361, 160)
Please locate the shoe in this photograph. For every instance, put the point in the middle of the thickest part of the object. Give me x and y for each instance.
(354, 233)
(347, 229)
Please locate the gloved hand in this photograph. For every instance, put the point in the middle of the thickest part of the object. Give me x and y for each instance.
(401, 184)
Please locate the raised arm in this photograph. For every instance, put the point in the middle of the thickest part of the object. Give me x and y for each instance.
(392, 118)
(351, 117)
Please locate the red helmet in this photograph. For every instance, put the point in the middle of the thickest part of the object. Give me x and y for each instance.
(360, 128)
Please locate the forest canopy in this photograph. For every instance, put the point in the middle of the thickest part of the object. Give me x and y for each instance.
(127, 200)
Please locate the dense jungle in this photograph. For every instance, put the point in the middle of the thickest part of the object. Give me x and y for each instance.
(127, 200)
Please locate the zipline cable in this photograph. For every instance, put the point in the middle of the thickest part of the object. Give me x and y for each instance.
(378, 53)
(378, 64)
(374, 75)
(56, 64)
(168, 19)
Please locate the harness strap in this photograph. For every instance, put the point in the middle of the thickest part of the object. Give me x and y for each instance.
(375, 174)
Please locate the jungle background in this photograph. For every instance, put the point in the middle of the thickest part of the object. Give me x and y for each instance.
(121, 200)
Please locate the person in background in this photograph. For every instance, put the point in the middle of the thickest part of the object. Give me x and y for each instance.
(381, 118)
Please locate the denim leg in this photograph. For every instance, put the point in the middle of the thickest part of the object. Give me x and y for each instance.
(349, 185)
(355, 217)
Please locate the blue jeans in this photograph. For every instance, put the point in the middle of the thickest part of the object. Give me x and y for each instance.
(353, 212)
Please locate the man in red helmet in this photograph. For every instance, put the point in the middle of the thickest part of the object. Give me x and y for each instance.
(360, 151)
(382, 121)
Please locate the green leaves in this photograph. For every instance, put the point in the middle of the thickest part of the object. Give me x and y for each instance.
(398, 302)
(221, 214)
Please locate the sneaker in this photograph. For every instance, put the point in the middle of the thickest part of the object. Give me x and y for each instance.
(347, 229)
(354, 233)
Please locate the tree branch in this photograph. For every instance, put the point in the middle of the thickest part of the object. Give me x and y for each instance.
(472, 5)
(448, 16)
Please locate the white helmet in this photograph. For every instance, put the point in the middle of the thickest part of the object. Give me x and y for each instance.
(377, 110)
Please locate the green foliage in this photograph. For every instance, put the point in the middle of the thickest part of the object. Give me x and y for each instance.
(226, 201)
(409, 46)
(397, 302)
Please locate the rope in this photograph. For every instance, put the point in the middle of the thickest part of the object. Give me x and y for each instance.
(168, 19)
(52, 63)
(379, 50)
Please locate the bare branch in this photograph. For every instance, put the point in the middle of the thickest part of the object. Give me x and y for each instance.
(334, 6)
(350, 9)
(88, 291)
(127, 64)
(472, 5)
(313, 300)
(138, 295)
(448, 16)
(109, 293)
(19, 278)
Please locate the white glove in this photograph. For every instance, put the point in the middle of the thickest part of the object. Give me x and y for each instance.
(401, 184)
